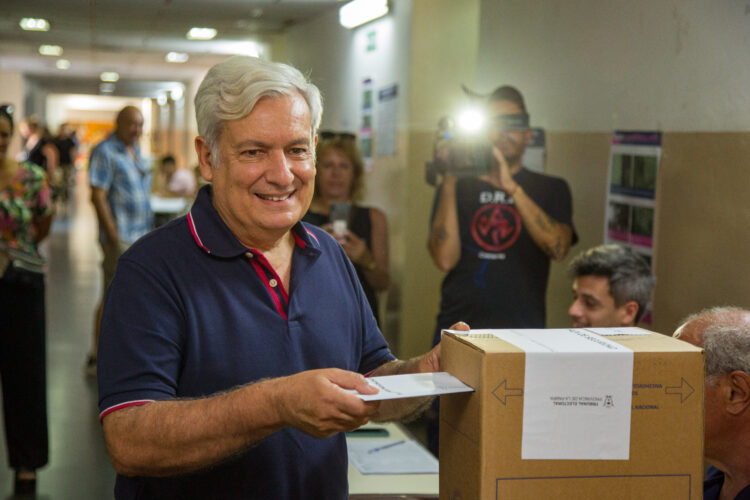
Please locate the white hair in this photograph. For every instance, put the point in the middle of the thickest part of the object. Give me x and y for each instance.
(727, 349)
(231, 89)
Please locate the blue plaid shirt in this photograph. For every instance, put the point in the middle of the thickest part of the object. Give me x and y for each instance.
(128, 184)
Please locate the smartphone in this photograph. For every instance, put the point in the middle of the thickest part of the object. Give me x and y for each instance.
(340, 218)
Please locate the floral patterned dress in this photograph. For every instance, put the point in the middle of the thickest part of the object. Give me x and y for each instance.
(23, 202)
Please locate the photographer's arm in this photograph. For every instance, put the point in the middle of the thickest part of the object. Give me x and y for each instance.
(553, 237)
(445, 242)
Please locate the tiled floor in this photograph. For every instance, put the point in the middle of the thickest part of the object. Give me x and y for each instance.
(79, 467)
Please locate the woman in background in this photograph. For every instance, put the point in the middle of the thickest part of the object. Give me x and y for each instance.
(365, 240)
(25, 218)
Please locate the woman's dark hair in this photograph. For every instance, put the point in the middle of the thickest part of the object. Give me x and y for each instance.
(6, 111)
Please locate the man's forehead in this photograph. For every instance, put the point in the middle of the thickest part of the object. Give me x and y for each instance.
(592, 283)
(692, 331)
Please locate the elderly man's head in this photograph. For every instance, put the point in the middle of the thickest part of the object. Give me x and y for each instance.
(612, 286)
(258, 121)
(724, 333)
(231, 89)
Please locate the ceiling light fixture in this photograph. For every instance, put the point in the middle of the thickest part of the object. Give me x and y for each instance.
(359, 12)
(176, 93)
(201, 34)
(109, 76)
(32, 24)
(50, 50)
(62, 64)
(107, 88)
(176, 57)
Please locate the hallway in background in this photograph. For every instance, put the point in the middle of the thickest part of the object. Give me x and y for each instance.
(79, 467)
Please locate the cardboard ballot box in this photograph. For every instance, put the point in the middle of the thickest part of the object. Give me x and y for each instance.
(572, 414)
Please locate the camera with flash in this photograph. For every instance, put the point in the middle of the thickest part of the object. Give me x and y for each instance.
(463, 147)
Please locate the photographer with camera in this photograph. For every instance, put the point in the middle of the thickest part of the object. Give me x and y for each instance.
(495, 228)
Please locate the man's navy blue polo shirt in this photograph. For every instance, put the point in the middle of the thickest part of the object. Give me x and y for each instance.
(713, 483)
(192, 312)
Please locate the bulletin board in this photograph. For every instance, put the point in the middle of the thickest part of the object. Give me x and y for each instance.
(631, 193)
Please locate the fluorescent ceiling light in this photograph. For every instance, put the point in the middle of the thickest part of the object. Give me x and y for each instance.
(50, 50)
(176, 57)
(201, 34)
(176, 93)
(358, 12)
(109, 76)
(32, 24)
(62, 64)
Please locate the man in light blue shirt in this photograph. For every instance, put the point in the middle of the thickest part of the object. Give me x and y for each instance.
(120, 191)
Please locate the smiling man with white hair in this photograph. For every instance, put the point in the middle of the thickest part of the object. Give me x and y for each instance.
(233, 337)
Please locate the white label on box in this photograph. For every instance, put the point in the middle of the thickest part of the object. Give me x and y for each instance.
(577, 394)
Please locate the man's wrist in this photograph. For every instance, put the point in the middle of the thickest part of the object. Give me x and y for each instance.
(514, 190)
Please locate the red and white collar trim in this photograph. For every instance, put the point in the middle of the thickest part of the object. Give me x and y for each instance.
(194, 232)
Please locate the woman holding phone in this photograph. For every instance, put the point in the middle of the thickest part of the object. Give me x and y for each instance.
(362, 231)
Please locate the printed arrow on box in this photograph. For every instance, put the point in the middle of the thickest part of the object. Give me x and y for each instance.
(502, 392)
(684, 390)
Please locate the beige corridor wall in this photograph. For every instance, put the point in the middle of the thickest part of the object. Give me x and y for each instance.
(444, 48)
(582, 159)
(11, 92)
(588, 68)
(703, 258)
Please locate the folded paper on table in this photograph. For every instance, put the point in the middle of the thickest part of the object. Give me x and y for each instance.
(384, 456)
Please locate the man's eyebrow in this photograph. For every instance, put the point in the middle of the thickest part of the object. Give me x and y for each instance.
(252, 143)
(590, 297)
(304, 141)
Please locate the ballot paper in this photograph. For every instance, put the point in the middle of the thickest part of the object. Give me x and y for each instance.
(414, 385)
(386, 456)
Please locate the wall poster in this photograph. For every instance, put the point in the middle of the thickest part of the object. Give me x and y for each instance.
(365, 128)
(631, 192)
(386, 122)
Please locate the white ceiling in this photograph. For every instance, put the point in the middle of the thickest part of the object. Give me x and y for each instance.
(132, 38)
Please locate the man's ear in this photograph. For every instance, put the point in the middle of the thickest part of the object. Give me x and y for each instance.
(628, 312)
(205, 160)
(739, 392)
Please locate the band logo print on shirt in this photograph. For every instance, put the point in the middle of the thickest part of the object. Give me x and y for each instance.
(496, 226)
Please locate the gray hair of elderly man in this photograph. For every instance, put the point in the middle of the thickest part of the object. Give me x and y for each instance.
(726, 339)
(231, 89)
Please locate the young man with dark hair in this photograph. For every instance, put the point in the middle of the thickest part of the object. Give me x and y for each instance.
(612, 286)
